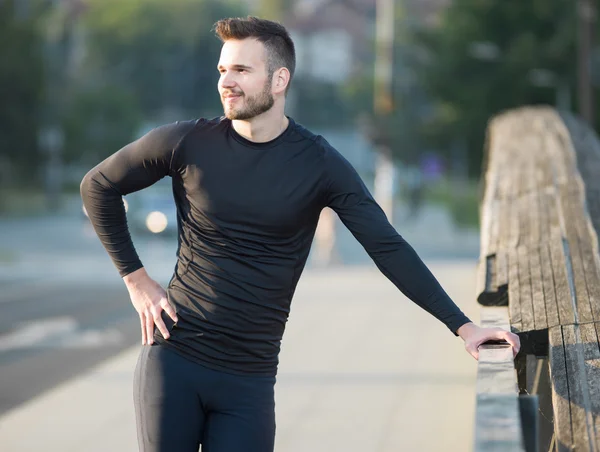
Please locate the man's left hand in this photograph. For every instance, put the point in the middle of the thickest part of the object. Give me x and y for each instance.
(474, 336)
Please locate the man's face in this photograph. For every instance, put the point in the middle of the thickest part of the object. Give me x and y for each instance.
(245, 84)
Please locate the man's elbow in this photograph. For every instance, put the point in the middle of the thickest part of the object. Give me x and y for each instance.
(86, 182)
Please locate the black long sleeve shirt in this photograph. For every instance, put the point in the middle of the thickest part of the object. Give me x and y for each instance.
(247, 214)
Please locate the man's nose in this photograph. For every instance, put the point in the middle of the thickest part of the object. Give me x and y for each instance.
(227, 80)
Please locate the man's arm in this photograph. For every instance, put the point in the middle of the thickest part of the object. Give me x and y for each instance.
(348, 196)
(134, 167)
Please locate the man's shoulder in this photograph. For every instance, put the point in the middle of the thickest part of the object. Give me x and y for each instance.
(302, 133)
(202, 123)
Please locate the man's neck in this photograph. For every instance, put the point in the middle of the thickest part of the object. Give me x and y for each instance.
(262, 128)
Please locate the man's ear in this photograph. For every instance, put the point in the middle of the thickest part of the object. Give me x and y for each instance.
(281, 79)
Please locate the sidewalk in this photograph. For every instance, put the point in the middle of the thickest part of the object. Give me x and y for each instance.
(362, 369)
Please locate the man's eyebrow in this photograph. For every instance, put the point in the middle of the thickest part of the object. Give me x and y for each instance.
(235, 66)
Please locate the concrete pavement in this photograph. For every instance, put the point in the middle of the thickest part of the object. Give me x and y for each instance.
(362, 369)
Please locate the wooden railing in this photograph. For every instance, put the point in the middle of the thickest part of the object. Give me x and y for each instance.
(540, 213)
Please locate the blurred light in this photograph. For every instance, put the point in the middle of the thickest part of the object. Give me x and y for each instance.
(484, 50)
(156, 222)
(84, 210)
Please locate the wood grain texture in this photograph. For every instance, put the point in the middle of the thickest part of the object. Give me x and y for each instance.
(540, 319)
(560, 389)
(549, 286)
(584, 437)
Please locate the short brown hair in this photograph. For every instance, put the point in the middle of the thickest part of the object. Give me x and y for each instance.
(274, 36)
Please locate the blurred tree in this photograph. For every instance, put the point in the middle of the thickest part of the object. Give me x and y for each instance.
(99, 122)
(164, 52)
(146, 61)
(21, 91)
(488, 56)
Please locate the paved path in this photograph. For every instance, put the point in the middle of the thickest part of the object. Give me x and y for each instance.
(362, 369)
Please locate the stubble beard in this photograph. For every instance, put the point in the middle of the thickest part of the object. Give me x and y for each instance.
(254, 105)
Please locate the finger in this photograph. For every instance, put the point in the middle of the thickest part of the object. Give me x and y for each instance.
(516, 346)
(169, 309)
(149, 328)
(161, 325)
(473, 351)
(513, 340)
(143, 325)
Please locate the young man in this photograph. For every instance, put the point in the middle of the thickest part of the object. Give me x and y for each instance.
(249, 189)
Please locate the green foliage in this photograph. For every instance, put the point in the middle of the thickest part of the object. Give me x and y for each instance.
(468, 89)
(21, 90)
(99, 122)
(165, 53)
(146, 61)
(321, 104)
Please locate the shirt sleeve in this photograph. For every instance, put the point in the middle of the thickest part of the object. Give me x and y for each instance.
(348, 196)
(134, 167)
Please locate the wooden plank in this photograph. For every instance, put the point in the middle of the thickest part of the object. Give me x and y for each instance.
(503, 223)
(502, 268)
(582, 301)
(552, 204)
(563, 160)
(483, 280)
(497, 415)
(592, 360)
(535, 214)
(548, 286)
(591, 270)
(537, 289)
(495, 317)
(579, 397)
(545, 178)
(524, 231)
(525, 298)
(593, 369)
(560, 389)
(513, 226)
(591, 355)
(524, 221)
(487, 288)
(589, 339)
(489, 293)
(562, 288)
(488, 212)
(494, 226)
(514, 291)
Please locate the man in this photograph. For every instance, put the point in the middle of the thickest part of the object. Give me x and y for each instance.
(249, 189)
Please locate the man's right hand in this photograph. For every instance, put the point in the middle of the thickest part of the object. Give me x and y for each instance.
(149, 300)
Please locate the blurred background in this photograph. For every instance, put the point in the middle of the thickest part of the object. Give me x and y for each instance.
(402, 88)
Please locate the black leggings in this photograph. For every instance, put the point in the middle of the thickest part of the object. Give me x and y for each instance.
(180, 404)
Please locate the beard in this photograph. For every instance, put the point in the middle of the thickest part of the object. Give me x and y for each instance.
(253, 105)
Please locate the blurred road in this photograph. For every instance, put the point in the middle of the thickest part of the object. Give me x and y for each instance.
(51, 332)
(64, 307)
